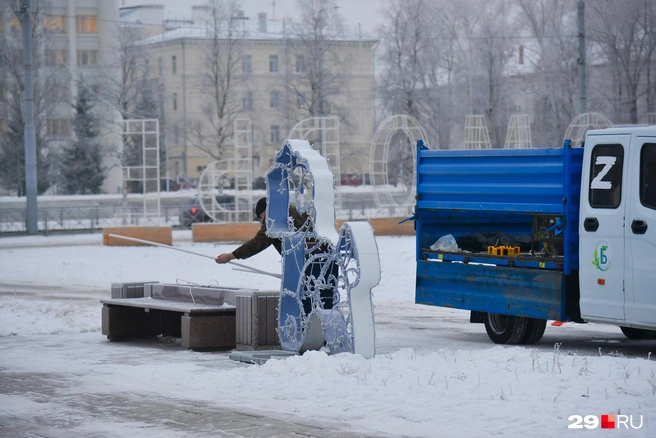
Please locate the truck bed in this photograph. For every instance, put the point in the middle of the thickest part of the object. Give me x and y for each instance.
(475, 191)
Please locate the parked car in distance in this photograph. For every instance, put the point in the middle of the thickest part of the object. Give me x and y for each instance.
(259, 183)
(350, 179)
(173, 185)
(192, 212)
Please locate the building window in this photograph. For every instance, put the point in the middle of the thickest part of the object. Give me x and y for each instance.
(146, 74)
(2, 23)
(173, 64)
(275, 134)
(175, 101)
(57, 128)
(55, 23)
(605, 186)
(248, 101)
(247, 64)
(274, 99)
(87, 57)
(160, 66)
(85, 24)
(15, 23)
(55, 57)
(3, 126)
(300, 63)
(648, 175)
(273, 63)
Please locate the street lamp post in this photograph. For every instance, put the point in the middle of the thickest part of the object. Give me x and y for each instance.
(30, 134)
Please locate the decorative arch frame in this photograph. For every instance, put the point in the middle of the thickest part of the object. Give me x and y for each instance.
(582, 123)
(379, 158)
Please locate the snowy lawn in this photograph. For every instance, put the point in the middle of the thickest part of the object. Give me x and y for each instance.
(434, 375)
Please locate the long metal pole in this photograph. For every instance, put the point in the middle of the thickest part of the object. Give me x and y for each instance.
(583, 87)
(184, 108)
(148, 242)
(30, 132)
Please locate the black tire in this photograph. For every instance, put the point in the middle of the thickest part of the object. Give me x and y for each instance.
(505, 329)
(638, 334)
(534, 330)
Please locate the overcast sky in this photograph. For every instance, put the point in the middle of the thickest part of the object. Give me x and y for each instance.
(365, 12)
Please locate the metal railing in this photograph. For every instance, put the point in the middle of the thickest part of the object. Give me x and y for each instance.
(94, 219)
(85, 219)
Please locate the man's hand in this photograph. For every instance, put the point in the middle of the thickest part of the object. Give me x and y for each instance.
(224, 258)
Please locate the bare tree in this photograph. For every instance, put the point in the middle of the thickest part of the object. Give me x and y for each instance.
(130, 55)
(317, 80)
(491, 49)
(406, 39)
(448, 71)
(220, 79)
(553, 56)
(50, 84)
(431, 70)
(624, 31)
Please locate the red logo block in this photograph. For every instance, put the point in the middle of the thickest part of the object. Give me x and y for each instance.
(608, 422)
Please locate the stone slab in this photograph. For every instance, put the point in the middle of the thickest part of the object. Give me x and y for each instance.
(172, 306)
(208, 332)
(259, 357)
(135, 289)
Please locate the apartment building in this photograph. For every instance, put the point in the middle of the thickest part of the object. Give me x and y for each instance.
(262, 94)
(77, 43)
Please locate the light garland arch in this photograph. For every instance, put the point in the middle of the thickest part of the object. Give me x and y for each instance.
(381, 154)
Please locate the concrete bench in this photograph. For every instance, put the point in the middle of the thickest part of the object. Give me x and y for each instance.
(205, 318)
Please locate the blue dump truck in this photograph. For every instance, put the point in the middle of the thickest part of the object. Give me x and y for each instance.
(522, 236)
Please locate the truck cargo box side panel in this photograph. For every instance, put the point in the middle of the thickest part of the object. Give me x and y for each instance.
(522, 292)
(466, 191)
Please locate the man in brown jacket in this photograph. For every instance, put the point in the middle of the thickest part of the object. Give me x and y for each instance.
(262, 241)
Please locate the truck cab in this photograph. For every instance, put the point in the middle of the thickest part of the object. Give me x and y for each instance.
(585, 218)
(618, 227)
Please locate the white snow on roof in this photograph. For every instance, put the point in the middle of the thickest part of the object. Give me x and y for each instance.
(130, 17)
(250, 27)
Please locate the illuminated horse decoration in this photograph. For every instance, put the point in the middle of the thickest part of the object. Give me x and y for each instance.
(310, 256)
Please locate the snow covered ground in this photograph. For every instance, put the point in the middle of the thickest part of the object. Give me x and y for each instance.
(435, 374)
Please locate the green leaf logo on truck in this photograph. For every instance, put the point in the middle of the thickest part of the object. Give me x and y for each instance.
(602, 256)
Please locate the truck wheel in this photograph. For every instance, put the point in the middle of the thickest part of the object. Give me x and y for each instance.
(638, 334)
(505, 329)
(534, 330)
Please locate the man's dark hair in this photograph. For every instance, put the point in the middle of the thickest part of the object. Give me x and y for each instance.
(260, 207)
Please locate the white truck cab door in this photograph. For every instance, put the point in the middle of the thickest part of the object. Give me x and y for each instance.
(601, 227)
(641, 232)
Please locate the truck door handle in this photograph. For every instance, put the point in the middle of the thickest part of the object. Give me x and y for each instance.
(590, 224)
(638, 226)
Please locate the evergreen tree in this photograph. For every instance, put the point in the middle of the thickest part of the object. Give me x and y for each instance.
(12, 151)
(82, 160)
